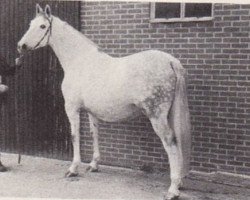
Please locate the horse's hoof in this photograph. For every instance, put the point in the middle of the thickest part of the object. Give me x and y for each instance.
(69, 174)
(171, 196)
(91, 169)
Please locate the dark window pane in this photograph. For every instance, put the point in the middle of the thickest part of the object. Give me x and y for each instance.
(167, 10)
(198, 10)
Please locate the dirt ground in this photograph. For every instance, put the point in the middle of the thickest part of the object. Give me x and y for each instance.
(44, 178)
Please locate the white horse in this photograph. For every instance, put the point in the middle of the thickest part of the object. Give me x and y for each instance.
(114, 89)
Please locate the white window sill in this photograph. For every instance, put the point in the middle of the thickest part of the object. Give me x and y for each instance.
(188, 19)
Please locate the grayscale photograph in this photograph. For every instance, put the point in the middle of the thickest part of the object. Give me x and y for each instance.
(131, 100)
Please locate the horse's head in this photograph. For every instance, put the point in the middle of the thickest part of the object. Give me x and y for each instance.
(39, 32)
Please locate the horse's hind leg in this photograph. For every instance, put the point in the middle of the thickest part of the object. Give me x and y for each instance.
(93, 166)
(74, 119)
(161, 127)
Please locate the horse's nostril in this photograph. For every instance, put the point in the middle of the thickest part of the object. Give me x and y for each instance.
(24, 46)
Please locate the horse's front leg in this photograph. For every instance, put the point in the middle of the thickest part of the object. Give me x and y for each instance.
(94, 127)
(74, 118)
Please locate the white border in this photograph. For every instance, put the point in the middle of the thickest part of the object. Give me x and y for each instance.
(182, 1)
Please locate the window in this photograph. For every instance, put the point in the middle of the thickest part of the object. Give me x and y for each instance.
(174, 12)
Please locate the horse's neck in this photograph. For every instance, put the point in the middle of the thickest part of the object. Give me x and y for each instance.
(70, 45)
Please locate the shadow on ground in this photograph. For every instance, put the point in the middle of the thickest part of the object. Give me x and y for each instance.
(44, 178)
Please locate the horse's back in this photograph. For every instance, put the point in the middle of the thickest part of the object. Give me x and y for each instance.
(150, 58)
(150, 74)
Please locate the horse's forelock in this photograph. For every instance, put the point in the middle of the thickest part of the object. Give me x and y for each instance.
(43, 15)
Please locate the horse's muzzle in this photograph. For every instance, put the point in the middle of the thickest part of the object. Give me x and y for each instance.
(22, 48)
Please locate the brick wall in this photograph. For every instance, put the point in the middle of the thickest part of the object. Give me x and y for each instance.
(217, 56)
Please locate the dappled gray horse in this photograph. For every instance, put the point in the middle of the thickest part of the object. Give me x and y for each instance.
(114, 89)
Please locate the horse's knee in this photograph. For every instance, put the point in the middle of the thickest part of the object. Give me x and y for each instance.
(74, 119)
(73, 138)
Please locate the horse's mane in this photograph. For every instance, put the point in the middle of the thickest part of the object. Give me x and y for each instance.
(71, 28)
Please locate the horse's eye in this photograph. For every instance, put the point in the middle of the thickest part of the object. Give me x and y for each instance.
(42, 26)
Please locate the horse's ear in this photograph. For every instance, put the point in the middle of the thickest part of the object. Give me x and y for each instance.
(47, 11)
(39, 10)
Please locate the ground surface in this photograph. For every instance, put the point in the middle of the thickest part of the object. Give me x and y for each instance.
(44, 178)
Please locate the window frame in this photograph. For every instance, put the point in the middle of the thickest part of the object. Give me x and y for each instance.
(181, 18)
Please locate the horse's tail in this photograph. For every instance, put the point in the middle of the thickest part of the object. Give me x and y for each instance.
(180, 118)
